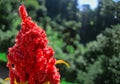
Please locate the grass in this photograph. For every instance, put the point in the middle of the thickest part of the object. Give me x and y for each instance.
(3, 57)
(65, 82)
(7, 82)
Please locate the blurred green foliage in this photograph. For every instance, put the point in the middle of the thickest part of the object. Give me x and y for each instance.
(9, 22)
(85, 39)
(102, 65)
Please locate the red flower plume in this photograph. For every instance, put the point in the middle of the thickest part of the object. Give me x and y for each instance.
(30, 59)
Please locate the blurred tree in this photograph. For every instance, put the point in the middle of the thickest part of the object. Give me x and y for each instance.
(101, 57)
(66, 16)
(32, 6)
(88, 29)
(95, 21)
(9, 22)
(65, 9)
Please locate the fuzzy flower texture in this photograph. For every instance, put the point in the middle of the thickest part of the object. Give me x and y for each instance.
(30, 59)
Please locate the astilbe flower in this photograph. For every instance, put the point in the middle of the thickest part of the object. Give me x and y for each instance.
(30, 59)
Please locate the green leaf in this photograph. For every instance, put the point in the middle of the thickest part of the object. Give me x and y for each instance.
(3, 57)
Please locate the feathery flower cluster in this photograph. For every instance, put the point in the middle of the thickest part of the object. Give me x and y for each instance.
(30, 59)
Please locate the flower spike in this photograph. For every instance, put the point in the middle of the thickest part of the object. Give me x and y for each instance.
(30, 60)
(22, 12)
